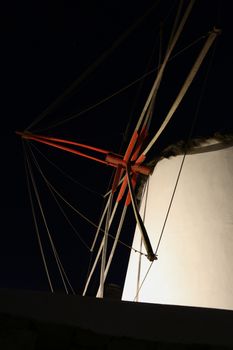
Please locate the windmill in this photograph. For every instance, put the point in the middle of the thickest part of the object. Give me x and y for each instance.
(132, 165)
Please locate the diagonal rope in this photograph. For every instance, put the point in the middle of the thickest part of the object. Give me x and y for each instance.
(71, 89)
(100, 223)
(109, 218)
(35, 222)
(111, 255)
(156, 84)
(163, 228)
(71, 206)
(90, 221)
(212, 36)
(178, 14)
(143, 281)
(170, 43)
(116, 93)
(140, 256)
(181, 165)
(51, 188)
(105, 245)
(66, 277)
(58, 262)
(65, 174)
(171, 202)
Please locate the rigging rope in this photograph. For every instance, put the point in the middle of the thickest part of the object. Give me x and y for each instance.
(178, 14)
(105, 242)
(140, 256)
(89, 248)
(111, 255)
(183, 90)
(143, 281)
(71, 89)
(100, 224)
(56, 256)
(65, 174)
(52, 190)
(155, 87)
(181, 167)
(124, 88)
(90, 221)
(164, 225)
(65, 275)
(35, 223)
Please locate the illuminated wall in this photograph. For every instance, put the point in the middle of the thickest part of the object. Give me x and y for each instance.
(195, 257)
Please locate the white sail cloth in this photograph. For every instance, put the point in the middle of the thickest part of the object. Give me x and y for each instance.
(195, 257)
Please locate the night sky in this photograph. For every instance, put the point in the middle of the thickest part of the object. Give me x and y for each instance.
(104, 46)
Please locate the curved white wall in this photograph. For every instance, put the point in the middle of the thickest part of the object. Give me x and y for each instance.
(195, 258)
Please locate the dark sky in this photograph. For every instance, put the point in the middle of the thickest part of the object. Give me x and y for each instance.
(106, 45)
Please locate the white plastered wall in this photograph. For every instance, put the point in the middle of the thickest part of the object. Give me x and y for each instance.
(195, 257)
